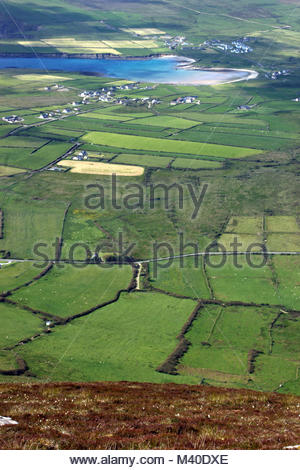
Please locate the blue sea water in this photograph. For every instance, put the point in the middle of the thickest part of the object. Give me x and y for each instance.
(155, 70)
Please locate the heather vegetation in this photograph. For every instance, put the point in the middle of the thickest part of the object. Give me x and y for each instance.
(77, 306)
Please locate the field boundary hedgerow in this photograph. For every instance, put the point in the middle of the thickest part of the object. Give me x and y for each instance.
(169, 366)
(1, 224)
(22, 367)
(28, 283)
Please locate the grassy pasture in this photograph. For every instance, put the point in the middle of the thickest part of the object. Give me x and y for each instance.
(212, 135)
(194, 164)
(67, 290)
(186, 279)
(244, 241)
(123, 341)
(274, 370)
(283, 242)
(7, 360)
(15, 157)
(17, 324)
(144, 160)
(28, 222)
(9, 170)
(15, 274)
(107, 117)
(26, 158)
(80, 227)
(224, 119)
(148, 143)
(5, 129)
(252, 225)
(231, 333)
(21, 142)
(287, 270)
(48, 153)
(167, 121)
(285, 224)
(237, 280)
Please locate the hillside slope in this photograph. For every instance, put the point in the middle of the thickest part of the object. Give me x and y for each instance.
(128, 415)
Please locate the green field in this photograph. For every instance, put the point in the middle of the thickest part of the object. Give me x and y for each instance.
(29, 222)
(17, 325)
(93, 285)
(144, 160)
(221, 340)
(147, 143)
(287, 270)
(107, 117)
(283, 242)
(239, 281)
(167, 121)
(241, 242)
(16, 274)
(284, 224)
(127, 341)
(194, 164)
(28, 158)
(250, 225)
(185, 277)
(231, 333)
(225, 170)
(9, 170)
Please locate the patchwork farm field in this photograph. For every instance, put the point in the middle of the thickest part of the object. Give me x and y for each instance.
(99, 287)
(148, 144)
(97, 168)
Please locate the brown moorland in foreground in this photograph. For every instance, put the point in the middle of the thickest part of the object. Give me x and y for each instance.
(128, 415)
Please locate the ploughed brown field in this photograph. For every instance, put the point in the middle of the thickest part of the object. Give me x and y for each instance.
(128, 415)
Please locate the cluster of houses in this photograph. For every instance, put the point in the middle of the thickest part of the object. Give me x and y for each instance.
(277, 74)
(56, 86)
(56, 168)
(107, 95)
(185, 100)
(244, 107)
(82, 155)
(238, 46)
(57, 113)
(174, 42)
(146, 100)
(12, 119)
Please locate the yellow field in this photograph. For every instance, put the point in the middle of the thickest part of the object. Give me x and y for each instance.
(72, 45)
(126, 44)
(32, 44)
(60, 40)
(144, 31)
(30, 77)
(98, 168)
(90, 50)
(120, 82)
(145, 43)
(8, 170)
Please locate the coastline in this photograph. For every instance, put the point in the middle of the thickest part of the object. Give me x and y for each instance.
(186, 63)
(252, 74)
